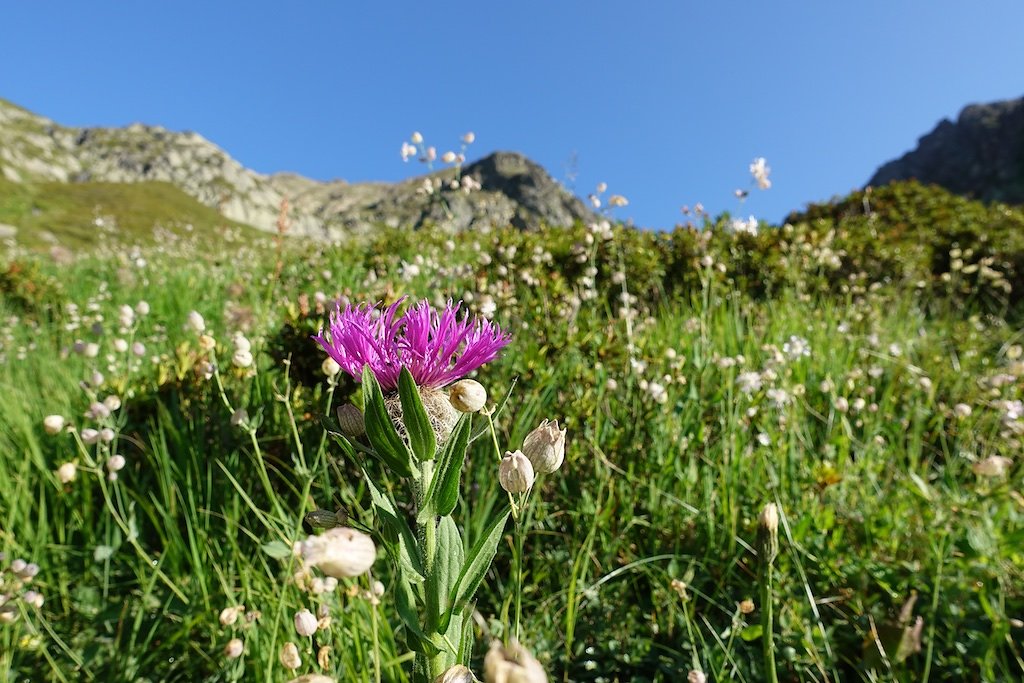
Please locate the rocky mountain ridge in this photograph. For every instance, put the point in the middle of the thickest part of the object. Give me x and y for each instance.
(980, 155)
(507, 188)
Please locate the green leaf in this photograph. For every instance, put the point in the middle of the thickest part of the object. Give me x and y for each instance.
(443, 493)
(405, 603)
(381, 431)
(334, 431)
(752, 632)
(477, 563)
(276, 549)
(408, 551)
(444, 575)
(414, 415)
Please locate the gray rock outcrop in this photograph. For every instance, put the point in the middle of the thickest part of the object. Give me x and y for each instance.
(508, 189)
(980, 156)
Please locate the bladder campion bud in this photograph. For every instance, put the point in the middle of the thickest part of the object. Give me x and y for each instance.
(290, 656)
(545, 447)
(516, 472)
(305, 623)
(467, 396)
(456, 674)
(340, 552)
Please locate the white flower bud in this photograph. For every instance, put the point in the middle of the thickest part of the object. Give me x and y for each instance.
(512, 664)
(142, 308)
(34, 598)
(106, 434)
(340, 552)
(241, 343)
(53, 424)
(545, 447)
(416, 138)
(515, 472)
(207, 343)
(456, 674)
(305, 623)
(290, 657)
(330, 367)
(66, 473)
(234, 648)
(89, 436)
(467, 396)
(195, 322)
(112, 402)
(242, 358)
(239, 417)
(120, 345)
(116, 463)
(992, 466)
(229, 615)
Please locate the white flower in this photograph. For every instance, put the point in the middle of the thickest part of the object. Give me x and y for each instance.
(416, 138)
(962, 410)
(54, 424)
(760, 170)
(66, 473)
(340, 552)
(468, 138)
(408, 151)
(748, 382)
(796, 347)
(448, 157)
(738, 225)
(330, 367)
(195, 322)
(116, 463)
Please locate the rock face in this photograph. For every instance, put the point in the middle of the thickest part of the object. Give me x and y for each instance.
(980, 156)
(512, 189)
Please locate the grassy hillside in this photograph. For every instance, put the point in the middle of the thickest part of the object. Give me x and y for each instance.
(79, 215)
(862, 369)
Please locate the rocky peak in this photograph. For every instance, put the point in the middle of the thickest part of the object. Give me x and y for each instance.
(980, 156)
(513, 189)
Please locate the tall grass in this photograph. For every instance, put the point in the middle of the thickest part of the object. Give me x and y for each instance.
(641, 551)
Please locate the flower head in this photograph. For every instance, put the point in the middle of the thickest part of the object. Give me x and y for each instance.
(437, 347)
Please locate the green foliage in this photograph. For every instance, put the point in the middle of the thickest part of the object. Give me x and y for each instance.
(639, 552)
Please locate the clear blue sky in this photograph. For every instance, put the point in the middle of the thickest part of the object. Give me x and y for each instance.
(667, 102)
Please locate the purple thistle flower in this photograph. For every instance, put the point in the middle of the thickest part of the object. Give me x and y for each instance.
(437, 347)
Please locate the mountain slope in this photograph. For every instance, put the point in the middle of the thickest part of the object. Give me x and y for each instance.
(512, 188)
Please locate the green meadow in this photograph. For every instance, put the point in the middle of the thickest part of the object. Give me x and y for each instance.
(860, 368)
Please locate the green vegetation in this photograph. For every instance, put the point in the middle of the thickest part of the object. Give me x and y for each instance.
(861, 368)
(78, 215)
